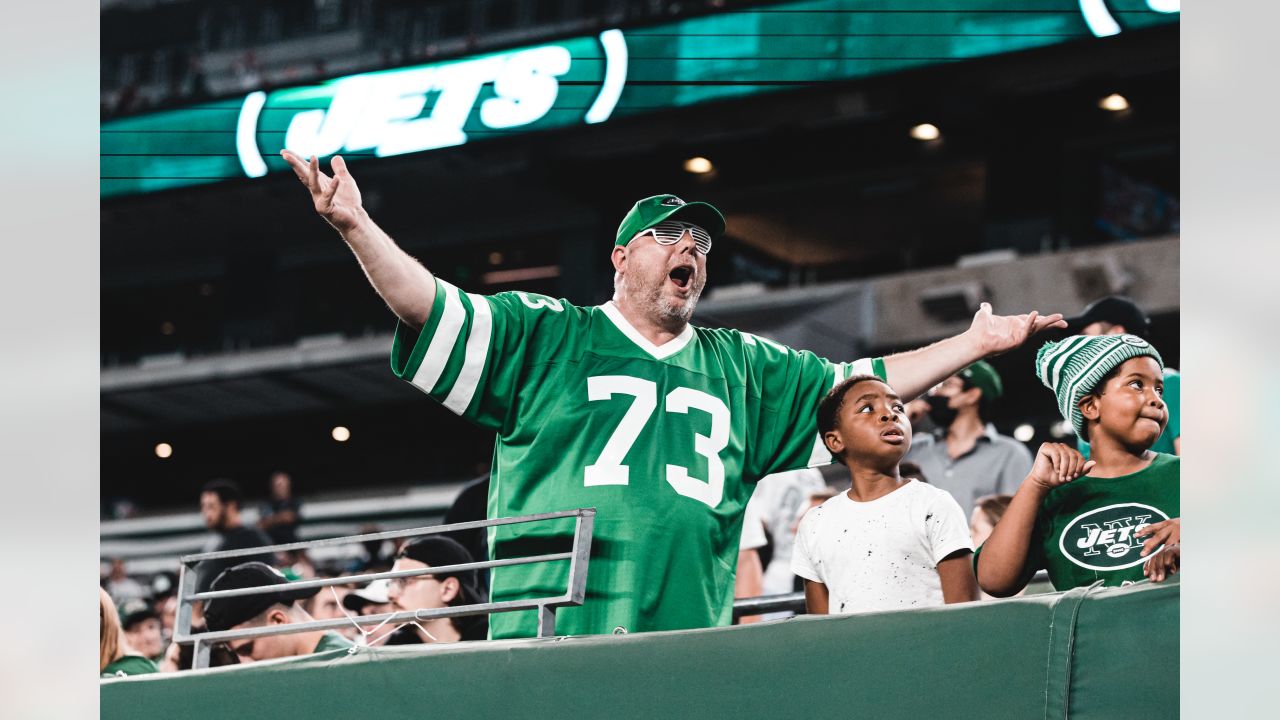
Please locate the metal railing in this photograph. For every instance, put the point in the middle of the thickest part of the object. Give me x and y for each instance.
(574, 593)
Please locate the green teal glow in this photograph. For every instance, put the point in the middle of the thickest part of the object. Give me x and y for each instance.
(766, 49)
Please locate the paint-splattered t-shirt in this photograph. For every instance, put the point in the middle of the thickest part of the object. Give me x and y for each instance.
(883, 554)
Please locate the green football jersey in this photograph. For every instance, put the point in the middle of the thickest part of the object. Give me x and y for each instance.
(666, 442)
(1084, 530)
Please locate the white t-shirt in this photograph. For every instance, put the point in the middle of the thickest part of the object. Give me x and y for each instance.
(883, 554)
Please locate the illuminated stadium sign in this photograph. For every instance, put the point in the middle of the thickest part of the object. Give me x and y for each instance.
(585, 80)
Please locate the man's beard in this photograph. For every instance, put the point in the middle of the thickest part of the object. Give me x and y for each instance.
(664, 309)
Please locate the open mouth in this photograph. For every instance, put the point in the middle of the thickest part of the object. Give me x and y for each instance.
(893, 435)
(682, 276)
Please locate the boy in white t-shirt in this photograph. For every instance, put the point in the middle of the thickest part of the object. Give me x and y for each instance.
(888, 543)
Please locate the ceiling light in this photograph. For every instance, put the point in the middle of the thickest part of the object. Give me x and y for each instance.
(925, 131)
(1115, 102)
(698, 165)
(163, 450)
(1024, 432)
(341, 434)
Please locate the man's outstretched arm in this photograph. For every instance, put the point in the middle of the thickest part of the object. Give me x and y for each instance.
(405, 285)
(913, 373)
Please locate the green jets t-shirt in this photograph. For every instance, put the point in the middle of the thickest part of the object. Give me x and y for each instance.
(128, 666)
(1085, 529)
(1173, 429)
(665, 442)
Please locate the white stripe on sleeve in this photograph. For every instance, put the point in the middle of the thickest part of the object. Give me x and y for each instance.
(476, 352)
(442, 341)
(820, 454)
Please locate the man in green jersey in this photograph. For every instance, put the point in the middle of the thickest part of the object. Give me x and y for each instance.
(625, 407)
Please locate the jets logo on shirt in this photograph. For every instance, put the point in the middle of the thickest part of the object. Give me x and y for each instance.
(672, 201)
(1104, 539)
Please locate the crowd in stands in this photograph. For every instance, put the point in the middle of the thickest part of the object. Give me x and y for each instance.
(937, 508)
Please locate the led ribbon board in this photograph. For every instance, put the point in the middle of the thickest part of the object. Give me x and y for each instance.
(587, 80)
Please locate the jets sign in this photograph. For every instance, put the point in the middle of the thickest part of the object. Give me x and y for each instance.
(431, 106)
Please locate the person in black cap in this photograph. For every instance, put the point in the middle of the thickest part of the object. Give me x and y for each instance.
(437, 591)
(626, 407)
(1119, 315)
(276, 608)
(141, 625)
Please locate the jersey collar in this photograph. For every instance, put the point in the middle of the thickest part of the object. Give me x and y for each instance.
(659, 352)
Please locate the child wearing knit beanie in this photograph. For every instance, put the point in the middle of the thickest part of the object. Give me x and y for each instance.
(1115, 517)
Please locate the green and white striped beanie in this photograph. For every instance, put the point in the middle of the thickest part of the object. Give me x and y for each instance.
(1072, 368)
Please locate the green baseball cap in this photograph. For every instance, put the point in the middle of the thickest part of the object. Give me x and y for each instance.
(652, 210)
(982, 375)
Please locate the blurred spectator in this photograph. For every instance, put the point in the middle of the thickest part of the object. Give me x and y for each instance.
(1117, 315)
(121, 587)
(142, 629)
(986, 513)
(327, 605)
(912, 470)
(115, 658)
(280, 514)
(163, 584)
(749, 580)
(378, 554)
(296, 565)
(220, 507)
(436, 591)
(179, 657)
(277, 608)
(918, 416)
(782, 499)
(372, 599)
(167, 610)
(965, 455)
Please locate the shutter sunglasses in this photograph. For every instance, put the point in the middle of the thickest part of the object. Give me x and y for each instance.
(669, 232)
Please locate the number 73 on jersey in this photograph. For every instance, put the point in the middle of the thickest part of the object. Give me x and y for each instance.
(608, 468)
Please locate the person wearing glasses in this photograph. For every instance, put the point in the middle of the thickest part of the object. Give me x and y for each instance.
(447, 589)
(624, 407)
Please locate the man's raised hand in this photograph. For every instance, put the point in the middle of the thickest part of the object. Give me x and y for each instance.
(337, 198)
(995, 334)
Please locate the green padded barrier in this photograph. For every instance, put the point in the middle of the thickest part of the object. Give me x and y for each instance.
(1084, 653)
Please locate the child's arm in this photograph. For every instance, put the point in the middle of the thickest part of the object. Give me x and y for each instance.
(816, 597)
(956, 573)
(1004, 555)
